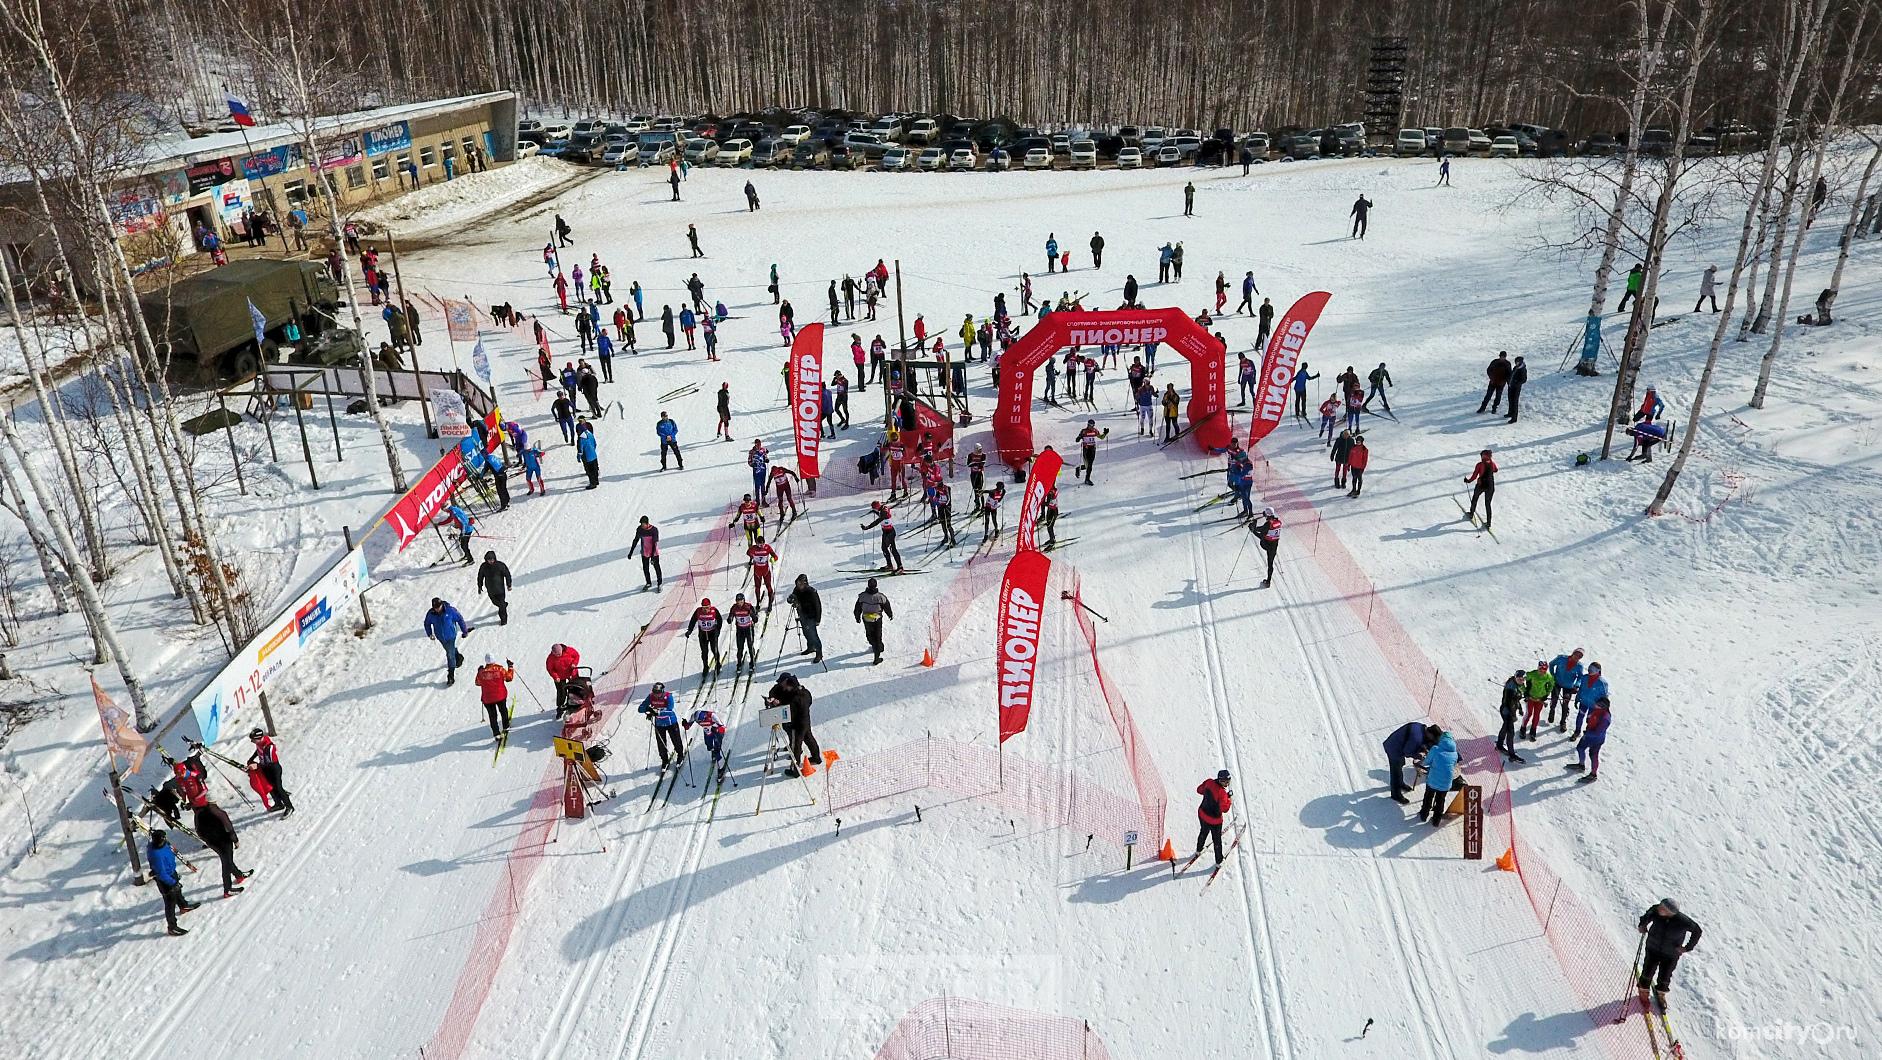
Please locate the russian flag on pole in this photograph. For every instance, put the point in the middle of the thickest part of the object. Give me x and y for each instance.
(238, 111)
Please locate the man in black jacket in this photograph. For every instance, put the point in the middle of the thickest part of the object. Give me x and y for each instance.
(871, 608)
(1670, 935)
(1519, 378)
(218, 834)
(1361, 206)
(1097, 251)
(795, 699)
(809, 607)
(493, 580)
(1509, 710)
(1410, 740)
(1498, 374)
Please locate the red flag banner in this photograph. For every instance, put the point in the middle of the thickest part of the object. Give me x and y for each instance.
(410, 514)
(1016, 653)
(1276, 381)
(1044, 475)
(806, 378)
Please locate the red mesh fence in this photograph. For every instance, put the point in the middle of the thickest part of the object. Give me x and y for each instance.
(612, 688)
(1583, 947)
(976, 578)
(1152, 796)
(952, 1028)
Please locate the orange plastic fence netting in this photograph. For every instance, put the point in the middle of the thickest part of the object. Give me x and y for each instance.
(951, 1028)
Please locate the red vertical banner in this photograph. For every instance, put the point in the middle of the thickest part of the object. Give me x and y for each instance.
(1043, 476)
(1276, 381)
(1016, 653)
(806, 385)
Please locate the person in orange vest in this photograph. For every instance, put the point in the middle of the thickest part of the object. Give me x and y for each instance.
(561, 665)
(1216, 802)
(752, 517)
(493, 685)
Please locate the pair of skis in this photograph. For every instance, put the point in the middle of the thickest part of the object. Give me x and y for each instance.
(1474, 521)
(1648, 1010)
(1226, 855)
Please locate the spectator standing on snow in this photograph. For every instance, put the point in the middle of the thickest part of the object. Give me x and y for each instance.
(1052, 252)
(1519, 378)
(1361, 206)
(493, 580)
(163, 869)
(1409, 741)
(751, 198)
(1378, 381)
(1440, 772)
(1498, 374)
(1189, 210)
(1097, 251)
(805, 600)
(872, 607)
(1708, 289)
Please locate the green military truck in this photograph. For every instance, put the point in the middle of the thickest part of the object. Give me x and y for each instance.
(204, 326)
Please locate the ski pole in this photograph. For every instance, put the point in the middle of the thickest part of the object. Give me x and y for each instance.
(1238, 558)
(1627, 988)
(526, 688)
(226, 780)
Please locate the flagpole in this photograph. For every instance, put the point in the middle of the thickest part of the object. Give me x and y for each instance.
(280, 227)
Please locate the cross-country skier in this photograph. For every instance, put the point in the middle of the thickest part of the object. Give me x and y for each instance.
(647, 543)
(267, 759)
(1440, 771)
(217, 833)
(493, 580)
(1378, 381)
(712, 731)
(1088, 439)
(752, 517)
(990, 512)
(169, 885)
(1594, 688)
(1509, 710)
(761, 556)
(444, 625)
(669, 434)
(706, 620)
(493, 679)
(805, 600)
(660, 709)
(1361, 206)
(977, 472)
(1484, 475)
(1593, 736)
(871, 608)
(781, 478)
(1409, 741)
(1355, 404)
(884, 516)
(1671, 935)
(561, 665)
(759, 461)
(1049, 517)
(1216, 803)
(1341, 451)
(796, 700)
(1567, 672)
(1356, 462)
(1538, 686)
(744, 619)
(466, 529)
(944, 512)
(1267, 530)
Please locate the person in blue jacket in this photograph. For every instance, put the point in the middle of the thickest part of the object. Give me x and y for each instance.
(1594, 689)
(1301, 379)
(570, 381)
(661, 710)
(1242, 484)
(163, 870)
(591, 456)
(1440, 772)
(1412, 740)
(669, 433)
(1566, 669)
(689, 323)
(444, 625)
(466, 529)
(1052, 252)
(604, 352)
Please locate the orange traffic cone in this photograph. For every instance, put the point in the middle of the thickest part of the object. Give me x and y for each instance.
(1507, 860)
(1168, 853)
(927, 657)
(810, 767)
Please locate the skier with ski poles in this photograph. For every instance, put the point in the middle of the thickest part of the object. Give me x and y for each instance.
(1301, 378)
(647, 543)
(871, 608)
(1049, 517)
(1509, 709)
(761, 556)
(1671, 935)
(751, 516)
(990, 513)
(977, 472)
(1267, 531)
(944, 512)
(267, 760)
(1484, 475)
(493, 685)
(1378, 381)
(1216, 803)
(884, 516)
(744, 619)
(706, 620)
(660, 709)
(712, 731)
(444, 625)
(781, 477)
(163, 869)
(1088, 439)
(493, 580)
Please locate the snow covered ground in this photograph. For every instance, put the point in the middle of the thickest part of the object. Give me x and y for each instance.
(412, 902)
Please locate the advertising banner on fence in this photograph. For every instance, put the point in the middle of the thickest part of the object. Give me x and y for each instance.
(1276, 382)
(460, 321)
(806, 385)
(1016, 627)
(1043, 476)
(227, 698)
(410, 514)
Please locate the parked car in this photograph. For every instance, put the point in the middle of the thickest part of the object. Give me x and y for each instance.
(1479, 141)
(1130, 158)
(962, 158)
(931, 158)
(1600, 144)
(794, 135)
(1152, 138)
(998, 161)
(1061, 143)
(1505, 146)
(701, 151)
(527, 148)
(1656, 142)
(1187, 146)
(634, 125)
(868, 143)
(810, 154)
(1168, 154)
(618, 154)
(1257, 144)
(843, 156)
(1132, 135)
(924, 131)
(555, 135)
(1410, 142)
(735, 152)
(1434, 139)
(1084, 154)
(895, 158)
(769, 152)
(1301, 147)
(1038, 156)
(655, 148)
(889, 129)
(528, 126)
(589, 127)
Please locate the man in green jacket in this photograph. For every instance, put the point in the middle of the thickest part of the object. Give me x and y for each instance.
(1537, 684)
(1636, 277)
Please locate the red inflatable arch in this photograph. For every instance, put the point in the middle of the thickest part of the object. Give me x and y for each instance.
(1012, 420)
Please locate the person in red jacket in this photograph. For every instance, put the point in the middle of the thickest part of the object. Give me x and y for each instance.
(1356, 460)
(561, 665)
(267, 759)
(1484, 475)
(744, 619)
(1216, 802)
(706, 619)
(761, 557)
(493, 680)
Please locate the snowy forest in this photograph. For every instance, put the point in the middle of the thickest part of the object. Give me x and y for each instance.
(1254, 63)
